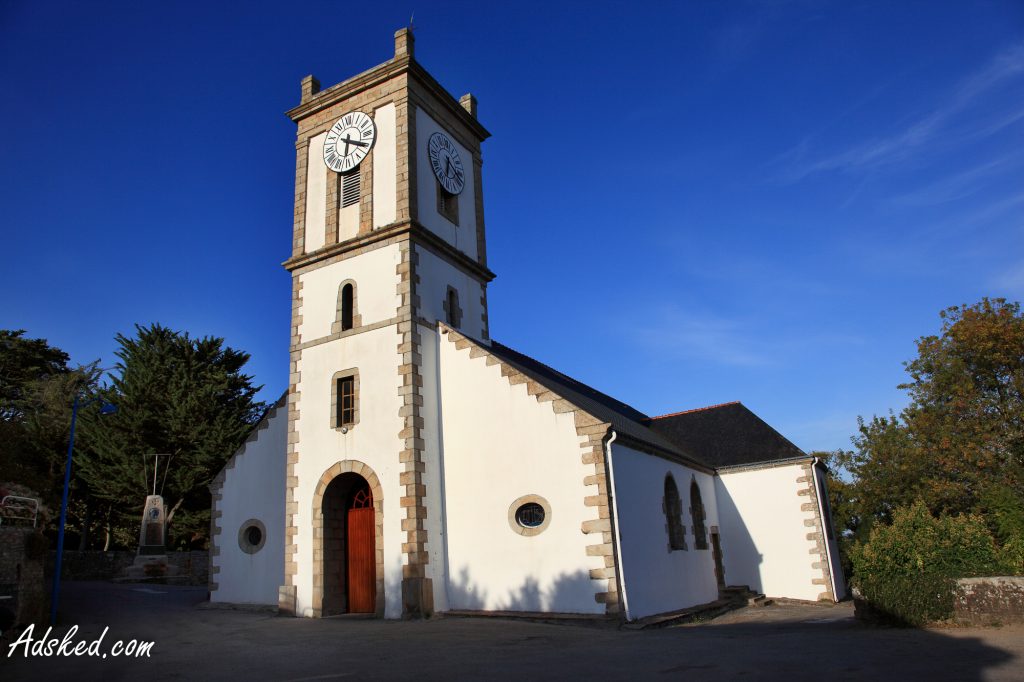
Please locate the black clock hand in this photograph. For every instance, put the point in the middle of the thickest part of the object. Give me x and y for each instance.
(349, 140)
(448, 166)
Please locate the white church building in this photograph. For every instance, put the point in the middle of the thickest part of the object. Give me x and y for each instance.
(416, 465)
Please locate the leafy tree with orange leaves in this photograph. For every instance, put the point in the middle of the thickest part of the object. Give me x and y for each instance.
(963, 432)
(967, 414)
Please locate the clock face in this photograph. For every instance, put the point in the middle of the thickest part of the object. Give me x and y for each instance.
(447, 165)
(349, 141)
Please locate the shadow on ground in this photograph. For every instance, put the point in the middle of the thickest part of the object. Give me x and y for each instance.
(216, 644)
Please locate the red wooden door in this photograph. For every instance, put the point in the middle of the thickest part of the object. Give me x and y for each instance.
(362, 565)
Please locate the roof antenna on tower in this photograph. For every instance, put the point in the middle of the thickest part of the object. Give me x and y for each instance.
(411, 15)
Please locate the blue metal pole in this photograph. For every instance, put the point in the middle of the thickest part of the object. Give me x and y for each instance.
(63, 517)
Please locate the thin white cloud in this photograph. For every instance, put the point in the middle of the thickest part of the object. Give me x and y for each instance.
(915, 137)
(988, 212)
(733, 342)
(959, 185)
(702, 337)
(1010, 281)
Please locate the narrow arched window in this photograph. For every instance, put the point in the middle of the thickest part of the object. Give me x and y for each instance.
(347, 305)
(673, 508)
(700, 533)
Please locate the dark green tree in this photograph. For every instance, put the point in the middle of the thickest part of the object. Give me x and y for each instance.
(176, 395)
(37, 388)
(22, 363)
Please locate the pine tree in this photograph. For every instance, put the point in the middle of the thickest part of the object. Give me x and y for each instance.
(179, 396)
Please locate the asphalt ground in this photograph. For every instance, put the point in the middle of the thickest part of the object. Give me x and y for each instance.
(781, 642)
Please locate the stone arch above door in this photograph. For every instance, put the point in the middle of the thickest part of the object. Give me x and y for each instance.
(339, 468)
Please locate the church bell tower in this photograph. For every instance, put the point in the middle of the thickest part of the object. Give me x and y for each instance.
(388, 241)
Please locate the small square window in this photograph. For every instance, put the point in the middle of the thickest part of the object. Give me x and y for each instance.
(345, 399)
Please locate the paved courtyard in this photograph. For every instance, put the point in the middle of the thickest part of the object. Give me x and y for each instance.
(783, 642)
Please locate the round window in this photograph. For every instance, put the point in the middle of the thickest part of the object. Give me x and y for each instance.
(529, 515)
(252, 536)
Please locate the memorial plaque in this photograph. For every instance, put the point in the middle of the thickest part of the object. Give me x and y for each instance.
(151, 539)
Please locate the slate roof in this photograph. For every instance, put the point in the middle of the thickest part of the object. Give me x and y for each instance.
(716, 436)
(726, 435)
(626, 420)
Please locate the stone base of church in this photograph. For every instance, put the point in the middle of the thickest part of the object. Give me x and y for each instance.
(286, 598)
(417, 597)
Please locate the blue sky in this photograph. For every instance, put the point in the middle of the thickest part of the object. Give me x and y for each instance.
(687, 203)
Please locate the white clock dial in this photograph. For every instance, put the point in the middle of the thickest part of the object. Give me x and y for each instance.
(447, 165)
(348, 141)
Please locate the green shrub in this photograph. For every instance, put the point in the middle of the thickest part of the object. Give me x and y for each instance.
(907, 570)
(1004, 510)
(907, 599)
(1012, 554)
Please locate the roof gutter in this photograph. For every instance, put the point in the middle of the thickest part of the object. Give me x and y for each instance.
(613, 505)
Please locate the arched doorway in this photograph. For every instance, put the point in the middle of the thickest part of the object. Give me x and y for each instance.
(349, 546)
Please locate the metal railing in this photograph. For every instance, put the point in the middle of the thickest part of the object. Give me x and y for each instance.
(17, 508)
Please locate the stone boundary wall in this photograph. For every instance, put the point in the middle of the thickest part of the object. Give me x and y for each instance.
(22, 581)
(989, 601)
(193, 567)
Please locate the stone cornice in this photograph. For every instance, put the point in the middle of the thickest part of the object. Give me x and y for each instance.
(766, 464)
(417, 232)
(379, 74)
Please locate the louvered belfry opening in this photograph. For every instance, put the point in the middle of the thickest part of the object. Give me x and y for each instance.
(350, 188)
(349, 551)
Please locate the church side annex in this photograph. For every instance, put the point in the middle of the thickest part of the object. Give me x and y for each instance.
(415, 465)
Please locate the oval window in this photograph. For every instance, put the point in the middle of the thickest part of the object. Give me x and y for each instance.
(530, 515)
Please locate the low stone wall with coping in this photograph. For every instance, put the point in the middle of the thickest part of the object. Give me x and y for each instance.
(193, 567)
(989, 601)
(24, 598)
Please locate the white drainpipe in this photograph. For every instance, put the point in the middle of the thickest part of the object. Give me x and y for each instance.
(615, 521)
(824, 528)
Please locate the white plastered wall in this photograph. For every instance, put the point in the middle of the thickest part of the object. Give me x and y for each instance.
(254, 488)
(501, 444)
(348, 216)
(463, 236)
(316, 194)
(656, 579)
(433, 475)
(764, 539)
(373, 441)
(377, 298)
(385, 180)
(436, 275)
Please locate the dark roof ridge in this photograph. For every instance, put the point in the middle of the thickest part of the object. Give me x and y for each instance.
(576, 384)
(697, 409)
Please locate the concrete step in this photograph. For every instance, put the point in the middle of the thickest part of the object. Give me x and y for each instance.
(150, 567)
(699, 613)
